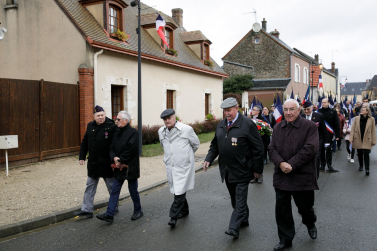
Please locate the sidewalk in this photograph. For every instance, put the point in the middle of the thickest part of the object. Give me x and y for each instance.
(48, 188)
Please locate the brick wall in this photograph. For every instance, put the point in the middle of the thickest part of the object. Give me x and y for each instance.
(86, 94)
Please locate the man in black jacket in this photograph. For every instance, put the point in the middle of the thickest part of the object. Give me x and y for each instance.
(331, 117)
(240, 150)
(124, 152)
(97, 140)
(317, 118)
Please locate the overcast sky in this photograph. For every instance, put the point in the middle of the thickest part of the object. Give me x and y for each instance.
(343, 31)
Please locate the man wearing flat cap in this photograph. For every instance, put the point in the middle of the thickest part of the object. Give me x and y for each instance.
(240, 150)
(97, 140)
(180, 143)
(318, 119)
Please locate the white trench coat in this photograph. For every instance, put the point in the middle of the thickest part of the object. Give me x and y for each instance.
(179, 144)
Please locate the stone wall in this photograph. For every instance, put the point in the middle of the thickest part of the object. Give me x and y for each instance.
(269, 59)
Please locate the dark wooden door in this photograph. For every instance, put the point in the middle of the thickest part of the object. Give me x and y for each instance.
(169, 99)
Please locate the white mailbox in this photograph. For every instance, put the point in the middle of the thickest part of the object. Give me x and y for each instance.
(8, 141)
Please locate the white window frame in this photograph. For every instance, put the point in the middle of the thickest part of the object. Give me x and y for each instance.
(297, 73)
(306, 77)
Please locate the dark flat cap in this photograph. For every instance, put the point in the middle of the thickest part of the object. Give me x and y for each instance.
(167, 113)
(98, 109)
(229, 102)
(307, 104)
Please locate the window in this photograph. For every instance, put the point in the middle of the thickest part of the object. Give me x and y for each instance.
(257, 40)
(117, 103)
(169, 37)
(113, 19)
(206, 52)
(306, 76)
(297, 73)
(206, 109)
(169, 99)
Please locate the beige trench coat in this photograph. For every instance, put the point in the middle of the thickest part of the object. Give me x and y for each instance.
(369, 135)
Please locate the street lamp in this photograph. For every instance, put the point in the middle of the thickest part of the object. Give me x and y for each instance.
(139, 119)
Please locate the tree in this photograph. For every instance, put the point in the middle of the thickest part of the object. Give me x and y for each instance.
(237, 84)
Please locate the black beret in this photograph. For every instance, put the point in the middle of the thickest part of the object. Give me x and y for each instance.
(307, 104)
(167, 113)
(98, 109)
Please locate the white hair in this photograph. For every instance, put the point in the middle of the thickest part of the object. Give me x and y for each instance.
(291, 100)
(125, 115)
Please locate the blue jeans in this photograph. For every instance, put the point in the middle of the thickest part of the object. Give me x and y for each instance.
(114, 197)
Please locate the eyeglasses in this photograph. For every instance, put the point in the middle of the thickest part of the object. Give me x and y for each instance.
(255, 110)
(289, 110)
(118, 119)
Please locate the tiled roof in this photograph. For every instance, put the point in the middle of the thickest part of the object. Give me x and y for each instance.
(372, 84)
(150, 18)
(266, 84)
(97, 37)
(354, 88)
(193, 36)
(306, 56)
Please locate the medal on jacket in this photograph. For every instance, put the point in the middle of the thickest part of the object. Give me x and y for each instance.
(106, 135)
(234, 141)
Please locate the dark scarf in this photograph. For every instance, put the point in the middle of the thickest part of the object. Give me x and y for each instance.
(363, 124)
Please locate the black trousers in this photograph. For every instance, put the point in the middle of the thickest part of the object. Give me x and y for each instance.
(363, 154)
(304, 201)
(179, 206)
(326, 157)
(348, 149)
(238, 195)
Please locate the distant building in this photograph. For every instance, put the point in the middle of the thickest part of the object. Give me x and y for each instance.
(353, 89)
(370, 90)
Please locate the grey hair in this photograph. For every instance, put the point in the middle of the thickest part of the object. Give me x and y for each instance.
(125, 115)
(258, 107)
(291, 100)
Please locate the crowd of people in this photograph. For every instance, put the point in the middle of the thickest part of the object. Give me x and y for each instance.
(300, 145)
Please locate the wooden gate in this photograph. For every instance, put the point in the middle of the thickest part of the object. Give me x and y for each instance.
(44, 115)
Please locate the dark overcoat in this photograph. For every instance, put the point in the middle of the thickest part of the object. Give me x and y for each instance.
(331, 117)
(317, 118)
(297, 144)
(126, 146)
(240, 150)
(97, 140)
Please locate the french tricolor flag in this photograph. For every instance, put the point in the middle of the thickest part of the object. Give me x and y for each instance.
(278, 112)
(160, 24)
(329, 129)
(320, 85)
(306, 96)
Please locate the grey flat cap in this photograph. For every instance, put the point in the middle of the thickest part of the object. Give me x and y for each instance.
(167, 113)
(229, 102)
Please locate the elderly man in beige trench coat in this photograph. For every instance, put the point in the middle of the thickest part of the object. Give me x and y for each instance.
(180, 143)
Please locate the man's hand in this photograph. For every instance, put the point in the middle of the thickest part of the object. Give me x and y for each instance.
(205, 165)
(285, 167)
(257, 175)
(116, 161)
(337, 139)
(82, 162)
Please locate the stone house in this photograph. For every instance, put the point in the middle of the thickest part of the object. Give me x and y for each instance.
(276, 67)
(74, 42)
(371, 88)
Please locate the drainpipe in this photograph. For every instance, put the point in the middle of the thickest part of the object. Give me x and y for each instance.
(95, 77)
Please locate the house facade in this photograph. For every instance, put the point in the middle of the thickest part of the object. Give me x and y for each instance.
(370, 90)
(276, 67)
(75, 42)
(353, 89)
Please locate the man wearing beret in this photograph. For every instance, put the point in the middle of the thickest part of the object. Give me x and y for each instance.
(240, 150)
(318, 119)
(97, 140)
(180, 143)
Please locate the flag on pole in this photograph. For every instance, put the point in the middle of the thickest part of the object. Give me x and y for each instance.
(275, 100)
(319, 103)
(292, 95)
(278, 112)
(320, 85)
(335, 102)
(331, 102)
(160, 24)
(306, 97)
(254, 103)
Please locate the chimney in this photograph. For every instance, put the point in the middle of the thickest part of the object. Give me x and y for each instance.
(332, 67)
(177, 15)
(264, 24)
(275, 33)
(316, 58)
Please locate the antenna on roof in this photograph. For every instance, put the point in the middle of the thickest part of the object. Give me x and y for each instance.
(254, 12)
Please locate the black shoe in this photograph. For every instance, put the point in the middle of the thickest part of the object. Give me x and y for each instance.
(105, 217)
(282, 246)
(360, 168)
(116, 211)
(83, 213)
(313, 232)
(180, 216)
(172, 222)
(322, 168)
(136, 216)
(367, 172)
(244, 224)
(232, 232)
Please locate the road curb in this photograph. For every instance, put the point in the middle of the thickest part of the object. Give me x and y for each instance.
(43, 221)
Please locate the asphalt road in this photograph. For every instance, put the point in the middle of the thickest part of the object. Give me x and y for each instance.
(346, 208)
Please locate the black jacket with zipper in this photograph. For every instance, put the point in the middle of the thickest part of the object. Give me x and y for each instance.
(97, 140)
(126, 146)
(240, 150)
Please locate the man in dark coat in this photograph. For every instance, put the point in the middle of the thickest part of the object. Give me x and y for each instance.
(317, 118)
(332, 120)
(124, 152)
(240, 150)
(293, 148)
(97, 140)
